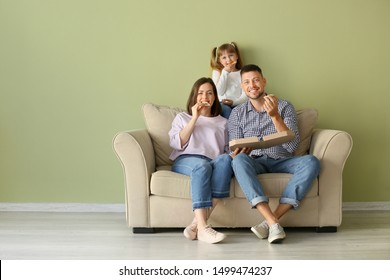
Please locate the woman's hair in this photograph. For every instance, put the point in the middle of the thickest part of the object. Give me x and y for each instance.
(192, 99)
(216, 53)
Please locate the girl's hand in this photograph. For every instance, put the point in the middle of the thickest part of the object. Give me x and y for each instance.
(230, 67)
(228, 102)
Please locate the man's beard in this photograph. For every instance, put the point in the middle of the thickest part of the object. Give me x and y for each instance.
(259, 94)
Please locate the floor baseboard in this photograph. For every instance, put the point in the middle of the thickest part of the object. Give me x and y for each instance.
(367, 206)
(61, 207)
(99, 208)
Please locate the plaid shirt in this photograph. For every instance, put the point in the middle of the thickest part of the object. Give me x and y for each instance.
(245, 121)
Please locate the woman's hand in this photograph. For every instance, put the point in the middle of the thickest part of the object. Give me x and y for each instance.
(186, 132)
(195, 110)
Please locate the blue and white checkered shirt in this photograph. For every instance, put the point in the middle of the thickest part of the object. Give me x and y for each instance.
(245, 121)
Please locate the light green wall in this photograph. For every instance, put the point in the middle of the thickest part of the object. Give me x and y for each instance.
(75, 72)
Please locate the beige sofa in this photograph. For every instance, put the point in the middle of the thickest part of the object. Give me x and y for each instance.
(159, 198)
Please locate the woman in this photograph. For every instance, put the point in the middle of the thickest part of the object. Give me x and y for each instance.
(199, 141)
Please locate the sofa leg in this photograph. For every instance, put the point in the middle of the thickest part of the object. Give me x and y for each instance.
(143, 230)
(326, 229)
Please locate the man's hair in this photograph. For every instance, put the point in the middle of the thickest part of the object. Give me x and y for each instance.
(251, 68)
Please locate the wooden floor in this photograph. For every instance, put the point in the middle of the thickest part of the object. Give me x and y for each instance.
(364, 235)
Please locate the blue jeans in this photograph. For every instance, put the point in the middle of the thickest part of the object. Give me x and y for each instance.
(226, 110)
(304, 169)
(209, 178)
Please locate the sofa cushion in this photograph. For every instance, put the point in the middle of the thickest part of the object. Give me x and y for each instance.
(307, 119)
(170, 184)
(158, 120)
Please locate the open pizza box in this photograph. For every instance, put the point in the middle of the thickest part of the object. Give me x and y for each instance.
(266, 142)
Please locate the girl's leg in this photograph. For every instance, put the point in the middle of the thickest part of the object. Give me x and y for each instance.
(226, 110)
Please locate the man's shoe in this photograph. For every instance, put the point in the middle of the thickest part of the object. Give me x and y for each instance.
(209, 235)
(190, 232)
(261, 230)
(276, 233)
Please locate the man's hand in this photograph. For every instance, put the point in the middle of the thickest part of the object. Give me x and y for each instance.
(241, 150)
(271, 105)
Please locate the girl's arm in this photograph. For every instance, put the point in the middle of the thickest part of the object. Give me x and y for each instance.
(243, 98)
(220, 81)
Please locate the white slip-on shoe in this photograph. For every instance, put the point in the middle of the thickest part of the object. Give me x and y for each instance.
(261, 230)
(276, 233)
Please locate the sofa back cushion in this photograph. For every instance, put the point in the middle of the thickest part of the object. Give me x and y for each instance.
(307, 119)
(158, 121)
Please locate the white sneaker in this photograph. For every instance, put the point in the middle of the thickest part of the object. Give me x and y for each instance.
(276, 233)
(261, 230)
(190, 232)
(209, 235)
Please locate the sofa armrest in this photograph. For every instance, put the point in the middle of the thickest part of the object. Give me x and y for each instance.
(332, 148)
(135, 152)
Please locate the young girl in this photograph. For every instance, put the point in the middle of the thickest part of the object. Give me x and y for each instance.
(226, 63)
(199, 141)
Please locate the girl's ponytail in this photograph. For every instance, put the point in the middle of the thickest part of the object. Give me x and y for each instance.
(214, 59)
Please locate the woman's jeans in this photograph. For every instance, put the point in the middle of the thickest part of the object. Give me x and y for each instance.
(209, 178)
(304, 169)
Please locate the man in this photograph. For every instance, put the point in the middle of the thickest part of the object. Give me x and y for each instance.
(261, 115)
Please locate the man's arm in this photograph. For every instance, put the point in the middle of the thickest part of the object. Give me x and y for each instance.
(289, 116)
(271, 107)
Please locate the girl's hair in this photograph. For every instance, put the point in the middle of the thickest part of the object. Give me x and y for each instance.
(192, 99)
(216, 53)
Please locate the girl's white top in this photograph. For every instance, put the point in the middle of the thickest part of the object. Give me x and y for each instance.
(229, 86)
